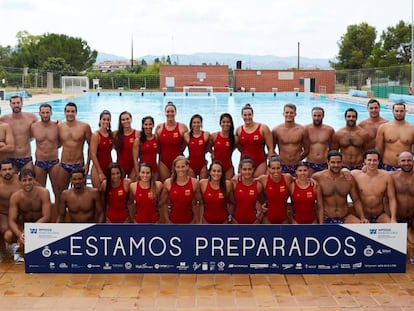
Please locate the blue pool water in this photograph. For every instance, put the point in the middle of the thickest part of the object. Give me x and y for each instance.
(267, 107)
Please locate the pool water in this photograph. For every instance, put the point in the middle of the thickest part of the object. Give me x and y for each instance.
(268, 108)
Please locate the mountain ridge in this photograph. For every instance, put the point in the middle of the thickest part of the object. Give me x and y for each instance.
(230, 59)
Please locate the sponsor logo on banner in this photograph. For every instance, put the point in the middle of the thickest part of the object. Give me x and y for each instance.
(135, 248)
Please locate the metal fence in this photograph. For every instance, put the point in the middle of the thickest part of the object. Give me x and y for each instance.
(378, 82)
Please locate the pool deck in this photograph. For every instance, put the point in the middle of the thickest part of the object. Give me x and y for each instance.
(36, 99)
(41, 98)
(185, 292)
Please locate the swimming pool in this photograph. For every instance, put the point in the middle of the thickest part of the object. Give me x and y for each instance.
(268, 107)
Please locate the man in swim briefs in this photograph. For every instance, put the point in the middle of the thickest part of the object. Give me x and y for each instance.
(394, 137)
(292, 140)
(46, 134)
(351, 140)
(404, 192)
(374, 186)
(332, 193)
(320, 137)
(72, 135)
(20, 123)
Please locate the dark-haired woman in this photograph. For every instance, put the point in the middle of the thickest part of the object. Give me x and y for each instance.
(124, 139)
(144, 195)
(170, 139)
(197, 142)
(217, 193)
(253, 137)
(248, 195)
(276, 192)
(115, 189)
(223, 144)
(303, 193)
(101, 148)
(146, 147)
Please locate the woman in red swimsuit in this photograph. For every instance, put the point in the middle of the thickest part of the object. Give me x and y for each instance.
(146, 147)
(248, 195)
(217, 193)
(124, 139)
(145, 194)
(223, 144)
(197, 142)
(303, 193)
(101, 148)
(253, 137)
(276, 192)
(115, 189)
(170, 139)
(181, 197)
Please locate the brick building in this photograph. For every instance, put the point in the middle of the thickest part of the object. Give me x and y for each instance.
(174, 78)
(317, 81)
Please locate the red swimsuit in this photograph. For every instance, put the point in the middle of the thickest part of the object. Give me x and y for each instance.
(170, 145)
(197, 151)
(223, 151)
(303, 202)
(276, 194)
(104, 151)
(252, 144)
(117, 210)
(246, 198)
(148, 153)
(215, 207)
(181, 199)
(125, 159)
(146, 206)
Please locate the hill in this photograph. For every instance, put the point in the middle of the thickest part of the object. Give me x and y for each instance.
(248, 61)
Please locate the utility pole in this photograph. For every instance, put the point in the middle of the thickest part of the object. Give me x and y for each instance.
(132, 51)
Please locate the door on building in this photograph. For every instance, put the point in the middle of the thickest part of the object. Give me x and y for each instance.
(313, 85)
(309, 85)
(170, 84)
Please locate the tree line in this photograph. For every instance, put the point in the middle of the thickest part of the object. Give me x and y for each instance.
(359, 48)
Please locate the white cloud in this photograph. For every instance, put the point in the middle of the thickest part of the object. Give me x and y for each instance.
(163, 27)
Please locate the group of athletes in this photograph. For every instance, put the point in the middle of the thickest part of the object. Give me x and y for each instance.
(309, 180)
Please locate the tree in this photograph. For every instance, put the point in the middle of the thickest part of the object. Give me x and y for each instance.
(57, 64)
(5, 56)
(355, 47)
(75, 51)
(33, 51)
(394, 47)
(22, 56)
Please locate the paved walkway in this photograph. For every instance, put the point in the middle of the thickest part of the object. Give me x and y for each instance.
(71, 292)
(191, 292)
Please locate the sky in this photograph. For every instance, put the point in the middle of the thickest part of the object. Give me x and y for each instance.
(163, 27)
